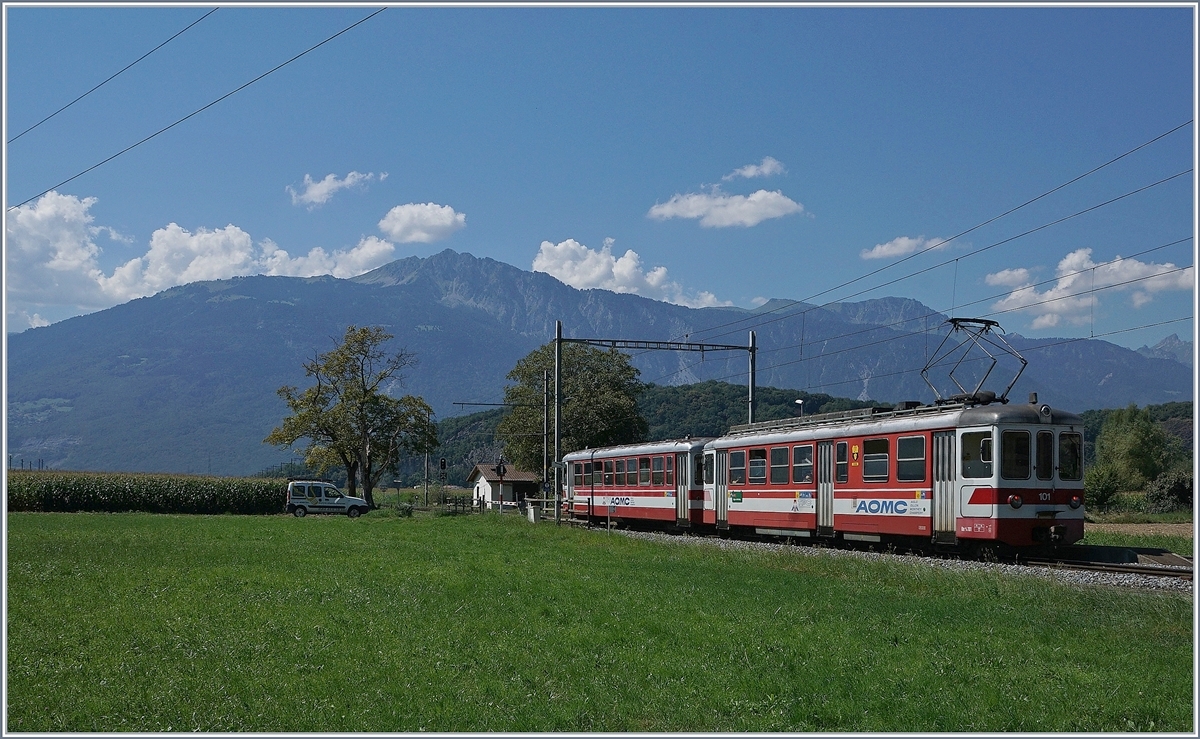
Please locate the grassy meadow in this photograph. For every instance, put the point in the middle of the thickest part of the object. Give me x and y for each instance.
(143, 622)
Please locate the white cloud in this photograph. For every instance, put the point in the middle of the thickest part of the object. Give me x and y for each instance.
(901, 246)
(371, 252)
(317, 193)
(53, 268)
(584, 268)
(1009, 277)
(421, 222)
(715, 209)
(1071, 298)
(768, 167)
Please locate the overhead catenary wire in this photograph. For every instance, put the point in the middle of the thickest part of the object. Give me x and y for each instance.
(952, 238)
(902, 335)
(981, 250)
(198, 110)
(114, 75)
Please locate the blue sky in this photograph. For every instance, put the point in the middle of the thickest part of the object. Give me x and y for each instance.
(704, 156)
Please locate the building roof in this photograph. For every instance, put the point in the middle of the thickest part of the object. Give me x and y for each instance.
(511, 474)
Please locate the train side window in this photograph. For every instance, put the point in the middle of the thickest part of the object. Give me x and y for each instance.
(875, 460)
(758, 466)
(587, 473)
(578, 474)
(631, 472)
(843, 461)
(779, 465)
(910, 459)
(608, 472)
(619, 479)
(656, 478)
(1045, 455)
(1014, 455)
(802, 464)
(1070, 457)
(737, 468)
(670, 469)
(977, 454)
(698, 472)
(709, 466)
(643, 470)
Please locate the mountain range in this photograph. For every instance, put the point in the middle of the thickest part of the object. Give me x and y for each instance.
(185, 380)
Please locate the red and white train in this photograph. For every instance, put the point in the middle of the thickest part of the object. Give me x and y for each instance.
(973, 476)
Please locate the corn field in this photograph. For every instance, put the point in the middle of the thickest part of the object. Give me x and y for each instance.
(120, 492)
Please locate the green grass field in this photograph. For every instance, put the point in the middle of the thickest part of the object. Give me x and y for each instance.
(140, 622)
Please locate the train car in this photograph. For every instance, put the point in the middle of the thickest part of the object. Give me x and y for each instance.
(976, 476)
(654, 482)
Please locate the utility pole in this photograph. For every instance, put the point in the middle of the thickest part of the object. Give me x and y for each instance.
(557, 421)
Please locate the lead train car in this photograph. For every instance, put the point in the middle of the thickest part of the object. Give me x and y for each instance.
(975, 477)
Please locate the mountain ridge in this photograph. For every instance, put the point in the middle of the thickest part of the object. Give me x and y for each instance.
(185, 380)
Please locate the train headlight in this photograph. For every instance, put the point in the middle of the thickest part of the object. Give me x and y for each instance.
(1076, 501)
(1015, 501)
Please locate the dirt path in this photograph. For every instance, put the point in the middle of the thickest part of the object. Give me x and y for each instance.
(1145, 529)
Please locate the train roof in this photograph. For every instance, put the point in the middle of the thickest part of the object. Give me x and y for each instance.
(649, 447)
(862, 421)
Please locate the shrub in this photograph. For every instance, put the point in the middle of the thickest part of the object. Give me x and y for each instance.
(123, 492)
(1171, 491)
(1100, 487)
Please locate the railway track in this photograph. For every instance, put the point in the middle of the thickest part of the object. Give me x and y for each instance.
(1152, 570)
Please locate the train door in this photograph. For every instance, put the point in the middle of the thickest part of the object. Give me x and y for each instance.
(721, 490)
(945, 509)
(682, 472)
(825, 488)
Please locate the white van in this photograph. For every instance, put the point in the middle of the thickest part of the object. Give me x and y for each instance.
(315, 496)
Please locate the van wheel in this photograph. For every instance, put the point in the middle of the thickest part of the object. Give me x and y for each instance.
(299, 512)
(354, 512)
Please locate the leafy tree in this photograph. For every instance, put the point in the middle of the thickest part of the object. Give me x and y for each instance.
(1171, 491)
(1137, 447)
(348, 417)
(600, 391)
(1101, 487)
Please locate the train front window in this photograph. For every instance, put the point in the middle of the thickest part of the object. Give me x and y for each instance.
(1014, 455)
(977, 454)
(779, 465)
(1070, 457)
(758, 466)
(910, 459)
(737, 468)
(875, 460)
(1045, 455)
(802, 464)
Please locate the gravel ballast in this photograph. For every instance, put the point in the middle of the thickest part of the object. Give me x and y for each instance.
(1076, 577)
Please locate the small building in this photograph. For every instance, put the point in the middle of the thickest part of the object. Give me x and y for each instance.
(517, 486)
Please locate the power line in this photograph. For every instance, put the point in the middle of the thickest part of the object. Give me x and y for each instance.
(981, 249)
(102, 84)
(952, 238)
(911, 334)
(994, 296)
(199, 110)
(1026, 349)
